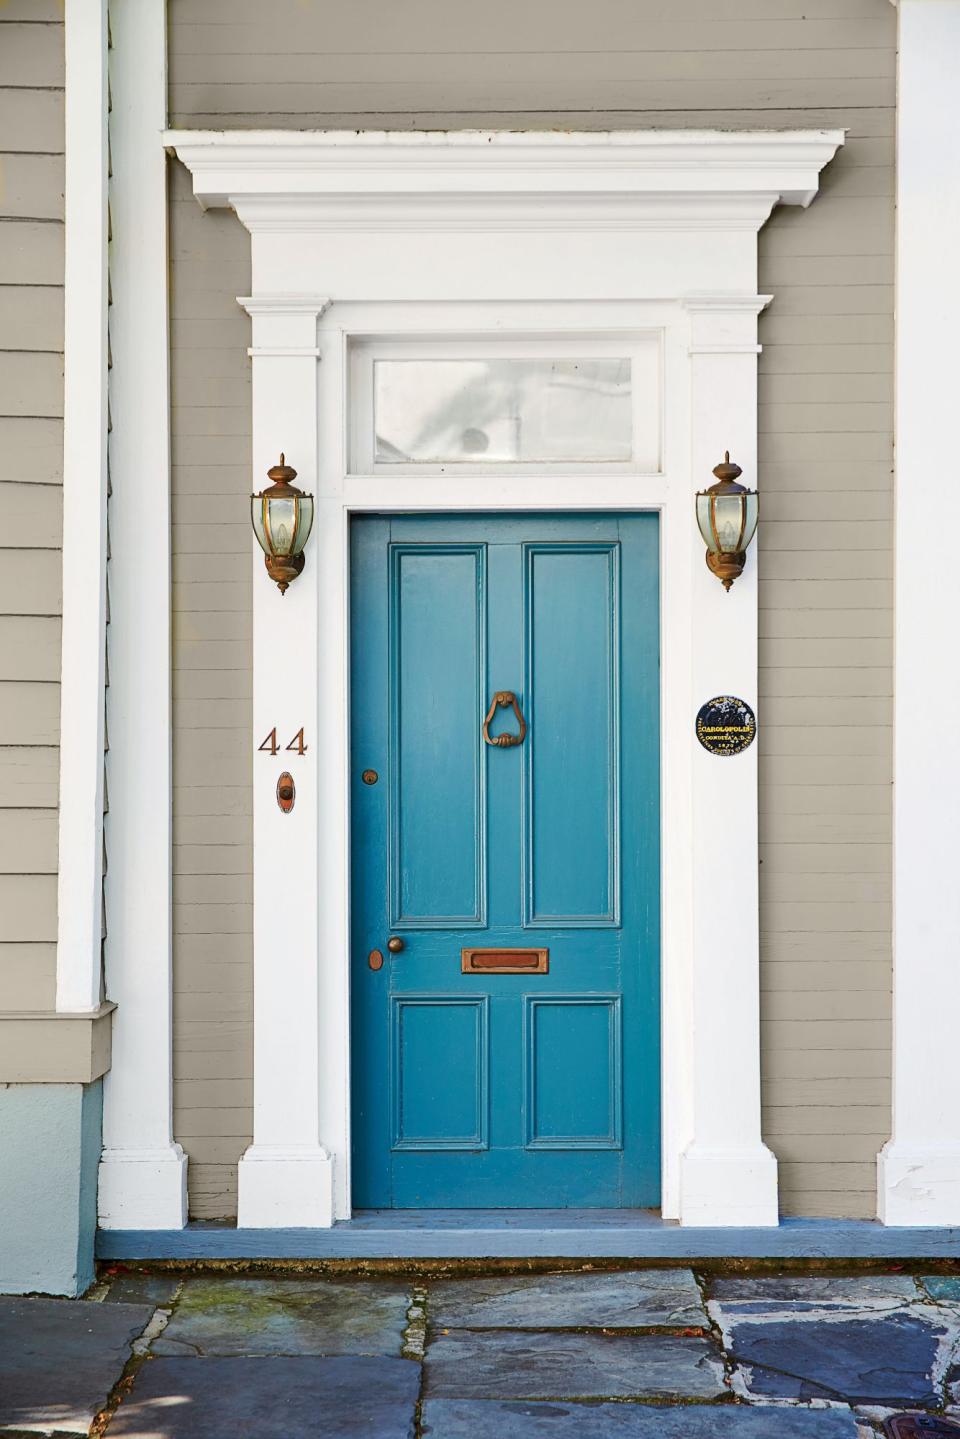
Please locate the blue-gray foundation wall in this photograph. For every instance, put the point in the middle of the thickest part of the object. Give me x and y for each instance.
(50, 1143)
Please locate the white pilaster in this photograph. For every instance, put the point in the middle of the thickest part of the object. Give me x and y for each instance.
(80, 881)
(143, 1173)
(286, 1176)
(727, 1174)
(919, 1169)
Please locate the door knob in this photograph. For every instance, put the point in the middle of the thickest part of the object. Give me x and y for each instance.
(395, 944)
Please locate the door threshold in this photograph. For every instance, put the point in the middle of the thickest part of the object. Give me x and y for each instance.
(640, 1234)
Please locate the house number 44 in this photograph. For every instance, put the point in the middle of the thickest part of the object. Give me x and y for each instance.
(270, 745)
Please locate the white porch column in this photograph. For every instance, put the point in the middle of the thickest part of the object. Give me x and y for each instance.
(727, 1174)
(143, 1173)
(919, 1169)
(286, 1176)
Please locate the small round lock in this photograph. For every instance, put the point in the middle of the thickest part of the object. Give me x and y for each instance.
(370, 776)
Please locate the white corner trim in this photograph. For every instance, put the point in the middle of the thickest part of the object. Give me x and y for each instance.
(80, 878)
(919, 1169)
(142, 1171)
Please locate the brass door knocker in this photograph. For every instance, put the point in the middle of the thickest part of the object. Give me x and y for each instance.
(503, 698)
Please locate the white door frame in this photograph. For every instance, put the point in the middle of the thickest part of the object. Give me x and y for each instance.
(469, 233)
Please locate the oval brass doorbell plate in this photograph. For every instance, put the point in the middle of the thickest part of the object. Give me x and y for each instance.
(286, 792)
(375, 959)
(369, 776)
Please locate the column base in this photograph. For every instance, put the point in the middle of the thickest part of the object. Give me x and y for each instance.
(285, 1188)
(918, 1186)
(143, 1188)
(735, 1187)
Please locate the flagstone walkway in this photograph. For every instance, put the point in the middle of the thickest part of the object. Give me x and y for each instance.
(596, 1354)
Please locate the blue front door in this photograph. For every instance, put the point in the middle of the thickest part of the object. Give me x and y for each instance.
(506, 1050)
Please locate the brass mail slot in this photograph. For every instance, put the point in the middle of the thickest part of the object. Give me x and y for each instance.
(504, 961)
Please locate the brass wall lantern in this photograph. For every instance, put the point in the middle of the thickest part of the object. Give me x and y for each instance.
(282, 519)
(727, 515)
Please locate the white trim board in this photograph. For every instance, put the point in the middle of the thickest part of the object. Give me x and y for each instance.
(83, 667)
(412, 236)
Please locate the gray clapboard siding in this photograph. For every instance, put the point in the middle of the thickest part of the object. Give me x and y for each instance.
(28, 841)
(212, 851)
(29, 713)
(31, 55)
(31, 121)
(32, 187)
(824, 552)
(29, 648)
(31, 583)
(31, 468)
(29, 775)
(31, 317)
(28, 976)
(825, 395)
(28, 903)
(31, 253)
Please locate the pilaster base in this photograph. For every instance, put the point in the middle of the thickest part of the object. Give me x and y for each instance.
(285, 1188)
(143, 1188)
(736, 1187)
(918, 1186)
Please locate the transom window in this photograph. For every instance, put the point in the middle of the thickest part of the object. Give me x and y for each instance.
(438, 406)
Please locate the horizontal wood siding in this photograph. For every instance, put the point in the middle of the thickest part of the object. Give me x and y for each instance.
(212, 841)
(825, 449)
(31, 473)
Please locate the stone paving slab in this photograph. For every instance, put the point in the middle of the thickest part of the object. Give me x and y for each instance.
(134, 1288)
(885, 1361)
(945, 1288)
(59, 1359)
(271, 1398)
(667, 1297)
(475, 1418)
(813, 1291)
(223, 1317)
(517, 1365)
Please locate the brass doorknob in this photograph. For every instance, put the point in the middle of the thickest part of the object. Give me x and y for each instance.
(395, 944)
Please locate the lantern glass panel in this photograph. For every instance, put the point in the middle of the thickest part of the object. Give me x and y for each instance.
(728, 518)
(304, 524)
(704, 522)
(281, 525)
(753, 510)
(257, 505)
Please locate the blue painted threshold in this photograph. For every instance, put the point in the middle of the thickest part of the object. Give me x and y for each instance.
(529, 1234)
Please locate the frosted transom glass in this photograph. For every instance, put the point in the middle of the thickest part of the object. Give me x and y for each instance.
(502, 410)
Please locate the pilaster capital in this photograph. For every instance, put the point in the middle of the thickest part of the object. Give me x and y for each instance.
(284, 325)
